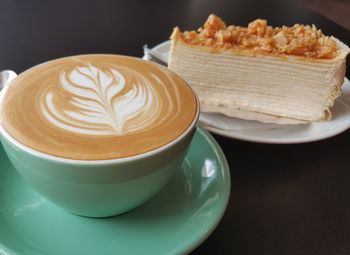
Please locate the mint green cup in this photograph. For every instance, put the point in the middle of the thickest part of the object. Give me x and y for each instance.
(99, 188)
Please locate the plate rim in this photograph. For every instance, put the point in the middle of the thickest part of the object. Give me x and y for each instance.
(226, 187)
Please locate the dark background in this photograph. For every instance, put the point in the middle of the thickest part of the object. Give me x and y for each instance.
(35, 31)
(285, 199)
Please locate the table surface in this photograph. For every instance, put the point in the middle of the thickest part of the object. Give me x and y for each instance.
(285, 199)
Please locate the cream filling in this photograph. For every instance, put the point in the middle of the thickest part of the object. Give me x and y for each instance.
(281, 90)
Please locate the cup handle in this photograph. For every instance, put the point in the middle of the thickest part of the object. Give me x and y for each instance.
(6, 77)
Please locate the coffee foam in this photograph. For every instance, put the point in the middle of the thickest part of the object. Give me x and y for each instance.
(101, 103)
(97, 107)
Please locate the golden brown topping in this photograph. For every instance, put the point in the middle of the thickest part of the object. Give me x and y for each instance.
(299, 40)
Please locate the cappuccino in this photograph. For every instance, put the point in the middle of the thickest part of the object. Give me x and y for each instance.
(94, 107)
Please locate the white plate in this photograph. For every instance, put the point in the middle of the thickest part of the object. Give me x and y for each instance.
(255, 131)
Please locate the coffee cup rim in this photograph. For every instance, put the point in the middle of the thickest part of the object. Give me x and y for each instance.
(43, 155)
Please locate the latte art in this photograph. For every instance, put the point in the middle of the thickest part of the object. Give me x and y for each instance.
(95, 107)
(103, 104)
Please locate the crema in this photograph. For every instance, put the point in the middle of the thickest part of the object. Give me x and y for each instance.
(95, 107)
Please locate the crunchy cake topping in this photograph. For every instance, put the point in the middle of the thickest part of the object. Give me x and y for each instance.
(299, 40)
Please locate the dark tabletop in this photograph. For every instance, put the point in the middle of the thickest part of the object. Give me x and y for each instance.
(285, 199)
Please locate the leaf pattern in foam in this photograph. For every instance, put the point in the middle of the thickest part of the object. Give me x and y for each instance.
(99, 109)
(132, 104)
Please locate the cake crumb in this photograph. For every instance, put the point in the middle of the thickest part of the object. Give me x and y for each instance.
(298, 40)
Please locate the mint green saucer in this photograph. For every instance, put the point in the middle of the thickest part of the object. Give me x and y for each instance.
(175, 221)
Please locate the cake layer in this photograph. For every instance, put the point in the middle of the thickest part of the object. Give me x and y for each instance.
(280, 89)
(271, 74)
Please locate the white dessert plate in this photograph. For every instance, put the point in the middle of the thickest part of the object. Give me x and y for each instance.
(255, 131)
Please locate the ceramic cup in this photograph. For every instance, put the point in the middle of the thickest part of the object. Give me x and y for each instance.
(99, 188)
